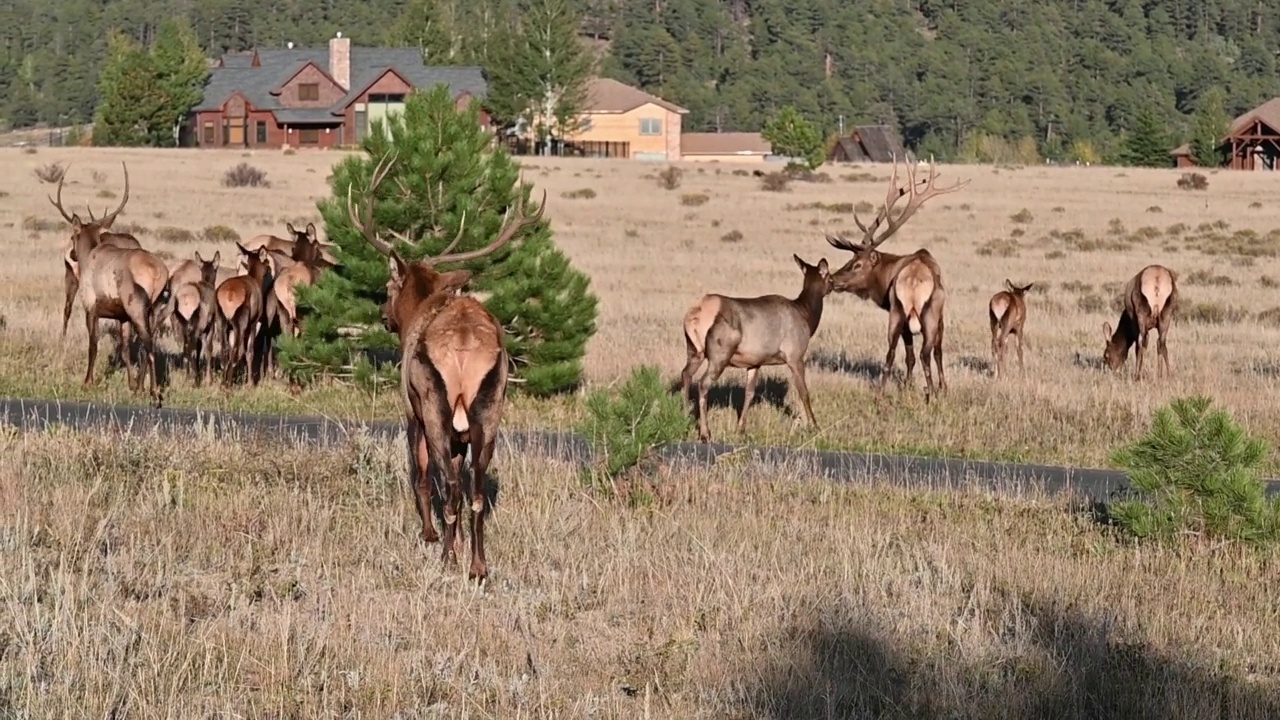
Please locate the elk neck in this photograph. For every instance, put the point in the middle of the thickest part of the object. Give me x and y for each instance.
(810, 301)
(418, 296)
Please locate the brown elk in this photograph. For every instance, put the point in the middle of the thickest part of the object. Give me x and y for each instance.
(194, 309)
(1007, 313)
(908, 286)
(129, 285)
(240, 301)
(751, 333)
(1150, 301)
(453, 372)
(282, 250)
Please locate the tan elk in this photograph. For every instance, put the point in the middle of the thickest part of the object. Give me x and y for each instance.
(1150, 301)
(453, 372)
(195, 313)
(908, 286)
(240, 301)
(128, 285)
(1007, 313)
(282, 250)
(751, 333)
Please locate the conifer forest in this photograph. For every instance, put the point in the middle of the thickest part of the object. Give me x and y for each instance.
(1058, 79)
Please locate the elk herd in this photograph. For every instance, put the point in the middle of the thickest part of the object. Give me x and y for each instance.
(454, 362)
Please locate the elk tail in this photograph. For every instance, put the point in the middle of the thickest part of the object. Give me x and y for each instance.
(913, 321)
(162, 308)
(460, 421)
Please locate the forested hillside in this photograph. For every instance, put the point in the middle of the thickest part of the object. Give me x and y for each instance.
(950, 74)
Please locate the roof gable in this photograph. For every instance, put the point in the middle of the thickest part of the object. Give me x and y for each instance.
(606, 95)
(309, 63)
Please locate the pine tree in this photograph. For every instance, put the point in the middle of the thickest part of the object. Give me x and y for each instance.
(1208, 125)
(181, 71)
(445, 169)
(133, 99)
(1147, 144)
(793, 136)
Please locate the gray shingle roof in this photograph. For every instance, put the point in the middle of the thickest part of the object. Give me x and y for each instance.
(367, 65)
(304, 116)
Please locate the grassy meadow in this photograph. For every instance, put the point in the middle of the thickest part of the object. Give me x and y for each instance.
(142, 577)
(1078, 232)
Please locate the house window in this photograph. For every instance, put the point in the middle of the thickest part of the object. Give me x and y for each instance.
(309, 136)
(308, 92)
(262, 132)
(362, 124)
(209, 136)
(650, 126)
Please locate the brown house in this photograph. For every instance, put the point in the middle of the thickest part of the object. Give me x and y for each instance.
(867, 143)
(307, 97)
(725, 147)
(1252, 142)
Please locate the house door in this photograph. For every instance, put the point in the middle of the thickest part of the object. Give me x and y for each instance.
(235, 133)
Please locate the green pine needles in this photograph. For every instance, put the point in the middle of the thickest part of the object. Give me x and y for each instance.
(626, 425)
(446, 168)
(1200, 475)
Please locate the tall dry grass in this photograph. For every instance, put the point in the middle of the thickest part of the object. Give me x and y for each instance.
(154, 578)
(1079, 233)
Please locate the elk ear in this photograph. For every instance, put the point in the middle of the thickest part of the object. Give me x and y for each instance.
(803, 266)
(397, 266)
(1009, 284)
(289, 226)
(1027, 287)
(198, 258)
(823, 269)
(873, 257)
(75, 222)
(311, 232)
(1106, 331)
(217, 255)
(242, 249)
(453, 280)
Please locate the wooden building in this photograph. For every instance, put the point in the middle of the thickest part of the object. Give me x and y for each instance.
(1251, 143)
(867, 143)
(309, 97)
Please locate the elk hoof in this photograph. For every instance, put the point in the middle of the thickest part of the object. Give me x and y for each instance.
(479, 571)
(429, 535)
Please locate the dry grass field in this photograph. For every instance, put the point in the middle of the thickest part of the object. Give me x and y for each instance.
(148, 578)
(1079, 233)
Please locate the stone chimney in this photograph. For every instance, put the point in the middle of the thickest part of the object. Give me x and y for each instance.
(340, 60)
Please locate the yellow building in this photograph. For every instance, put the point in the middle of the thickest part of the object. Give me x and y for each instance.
(622, 121)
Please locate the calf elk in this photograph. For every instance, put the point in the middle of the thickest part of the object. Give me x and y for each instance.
(1150, 301)
(908, 286)
(453, 372)
(129, 285)
(195, 311)
(240, 301)
(1007, 312)
(751, 333)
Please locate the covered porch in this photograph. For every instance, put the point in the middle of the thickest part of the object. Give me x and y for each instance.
(1253, 145)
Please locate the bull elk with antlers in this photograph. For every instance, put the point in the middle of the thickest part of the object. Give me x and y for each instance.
(1007, 314)
(129, 285)
(908, 286)
(752, 333)
(453, 371)
(1150, 301)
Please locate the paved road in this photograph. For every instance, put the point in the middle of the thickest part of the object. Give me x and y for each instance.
(851, 467)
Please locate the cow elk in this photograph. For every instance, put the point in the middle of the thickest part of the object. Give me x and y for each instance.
(453, 372)
(751, 333)
(128, 285)
(240, 301)
(908, 286)
(1007, 313)
(195, 313)
(282, 250)
(1150, 301)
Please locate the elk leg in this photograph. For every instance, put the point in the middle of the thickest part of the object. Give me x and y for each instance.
(423, 487)
(1162, 351)
(909, 345)
(450, 469)
(802, 389)
(251, 349)
(482, 448)
(937, 357)
(926, 355)
(73, 285)
(91, 324)
(749, 393)
(995, 351)
(691, 365)
(896, 323)
(126, 353)
(1139, 350)
(233, 355)
(714, 369)
(1021, 369)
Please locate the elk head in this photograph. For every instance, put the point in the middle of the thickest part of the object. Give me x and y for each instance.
(209, 268)
(306, 245)
(817, 278)
(858, 275)
(1016, 289)
(90, 232)
(411, 283)
(257, 263)
(1116, 350)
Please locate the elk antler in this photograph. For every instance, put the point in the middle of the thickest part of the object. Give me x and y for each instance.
(915, 200)
(365, 225)
(512, 225)
(108, 219)
(58, 203)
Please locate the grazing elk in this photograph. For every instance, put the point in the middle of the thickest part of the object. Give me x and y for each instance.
(453, 372)
(751, 333)
(194, 309)
(1150, 301)
(129, 285)
(908, 286)
(240, 301)
(1007, 312)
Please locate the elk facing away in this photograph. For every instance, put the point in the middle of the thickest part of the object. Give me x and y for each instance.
(1150, 301)
(751, 333)
(1007, 312)
(908, 286)
(195, 311)
(453, 372)
(125, 284)
(240, 301)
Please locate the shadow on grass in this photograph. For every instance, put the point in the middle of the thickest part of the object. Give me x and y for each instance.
(1057, 664)
(730, 393)
(866, 368)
